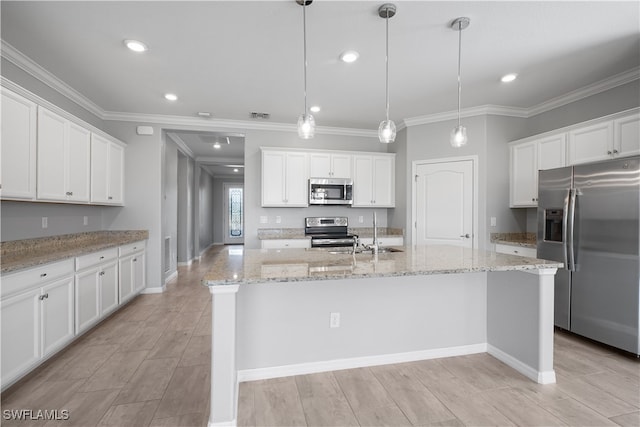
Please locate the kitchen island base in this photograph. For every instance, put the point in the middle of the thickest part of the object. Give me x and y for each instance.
(283, 328)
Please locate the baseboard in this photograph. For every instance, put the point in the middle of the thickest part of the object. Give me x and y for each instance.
(205, 249)
(171, 277)
(154, 290)
(356, 362)
(185, 264)
(545, 377)
(232, 423)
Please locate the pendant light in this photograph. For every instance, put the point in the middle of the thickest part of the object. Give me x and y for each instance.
(459, 133)
(387, 129)
(306, 122)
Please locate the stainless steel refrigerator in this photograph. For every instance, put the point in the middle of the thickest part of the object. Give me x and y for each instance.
(588, 219)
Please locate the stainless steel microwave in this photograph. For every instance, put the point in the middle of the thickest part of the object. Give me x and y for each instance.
(330, 191)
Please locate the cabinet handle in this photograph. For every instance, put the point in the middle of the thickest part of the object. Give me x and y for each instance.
(609, 152)
(102, 273)
(515, 252)
(43, 275)
(110, 198)
(615, 151)
(69, 193)
(41, 297)
(135, 259)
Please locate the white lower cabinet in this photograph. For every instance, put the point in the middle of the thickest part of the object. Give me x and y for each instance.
(131, 270)
(516, 250)
(96, 287)
(36, 312)
(384, 241)
(285, 243)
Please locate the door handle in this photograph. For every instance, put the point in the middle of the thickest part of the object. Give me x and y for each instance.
(573, 194)
(466, 236)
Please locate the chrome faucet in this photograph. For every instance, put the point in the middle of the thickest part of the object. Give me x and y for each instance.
(374, 245)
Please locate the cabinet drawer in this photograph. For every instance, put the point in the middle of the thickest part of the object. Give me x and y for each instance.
(286, 243)
(95, 258)
(25, 279)
(131, 248)
(516, 250)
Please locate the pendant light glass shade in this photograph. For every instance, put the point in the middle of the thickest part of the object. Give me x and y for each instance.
(458, 137)
(387, 129)
(306, 122)
(306, 126)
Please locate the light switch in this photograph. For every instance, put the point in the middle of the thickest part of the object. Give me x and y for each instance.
(45, 222)
(493, 221)
(278, 219)
(263, 219)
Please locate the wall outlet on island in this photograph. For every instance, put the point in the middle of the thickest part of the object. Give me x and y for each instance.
(360, 219)
(45, 222)
(493, 221)
(334, 320)
(85, 220)
(263, 219)
(278, 219)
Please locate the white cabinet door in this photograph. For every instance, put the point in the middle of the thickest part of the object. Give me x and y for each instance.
(125, 284)
(116, 174)
(373, 181)
(296, 180)
(591, 143)
(139, 272)
(52, 135)
(626, 134)
(552, 152)
(384, 182)
(99, 169)
(57, 315)
(87, 298)
(524, 175)
(17, 147)
(284, 179)
(108, 287)
(20, 316)
(341, 165)
(78, 163)
(362, 180)
(285, 243)
(320, 165)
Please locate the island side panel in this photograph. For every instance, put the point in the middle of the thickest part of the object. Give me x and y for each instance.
(520, 321)
(283, 327)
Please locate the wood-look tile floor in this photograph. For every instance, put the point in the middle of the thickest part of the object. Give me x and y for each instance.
(148, 365)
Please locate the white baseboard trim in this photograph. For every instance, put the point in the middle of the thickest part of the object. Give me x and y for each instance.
(544, 377)
(154, 290)
(232, 423)
(185, 264)
(205, 249)
(356, 362)
(171, 277)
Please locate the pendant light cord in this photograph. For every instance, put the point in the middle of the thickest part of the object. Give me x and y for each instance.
(459, 56)
(304, 37)
(387, 63)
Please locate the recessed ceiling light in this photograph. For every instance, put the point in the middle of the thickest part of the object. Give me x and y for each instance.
(170, 97)
(508, 77)
(216, 145)
(349, 56)
(136, 46)
(235, 170)
(315, 108)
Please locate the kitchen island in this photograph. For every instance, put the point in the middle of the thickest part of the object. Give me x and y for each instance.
(294, 311)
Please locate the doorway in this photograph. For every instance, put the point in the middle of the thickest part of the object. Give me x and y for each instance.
(445, 202)
(233, 213)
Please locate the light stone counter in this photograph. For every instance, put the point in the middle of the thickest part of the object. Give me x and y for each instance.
(526, 240)
(238, 266)
(20, 254)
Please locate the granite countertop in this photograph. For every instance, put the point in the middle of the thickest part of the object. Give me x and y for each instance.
(527, 240)
(244, 266)
(298, 233)
(20, 254)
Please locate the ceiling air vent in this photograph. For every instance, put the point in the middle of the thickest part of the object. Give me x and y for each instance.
(255, 115)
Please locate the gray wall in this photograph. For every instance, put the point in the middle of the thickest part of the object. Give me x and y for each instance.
(294, 217)
(170, 207)
(23, 220)
(185, 208)
(218, 219)
(398, 216)
(205, 221)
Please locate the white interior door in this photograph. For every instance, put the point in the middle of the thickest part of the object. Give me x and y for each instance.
(233, 213)
(444, 197)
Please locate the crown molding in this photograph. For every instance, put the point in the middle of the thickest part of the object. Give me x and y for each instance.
(467, 112)
(181, 144)
(584, 92)
(25, 63)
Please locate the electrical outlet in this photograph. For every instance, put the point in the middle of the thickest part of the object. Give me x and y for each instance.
(360, 219)
(493, 221)
(85, 220)
(263, 219)
(45, 222)
(278, 219)
(334, 320)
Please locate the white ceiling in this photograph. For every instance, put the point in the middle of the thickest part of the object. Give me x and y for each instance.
(233, 57)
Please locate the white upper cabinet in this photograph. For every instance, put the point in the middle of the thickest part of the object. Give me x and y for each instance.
(591, 143)
(374, 180)
(284, 178)
(17, 147)
(626, 135)
(552, 152)
(523, 175)
(107, 171)
(63, 159)
(329, 165)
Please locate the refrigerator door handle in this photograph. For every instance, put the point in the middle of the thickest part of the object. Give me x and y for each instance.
(565, 233)
(570, 234)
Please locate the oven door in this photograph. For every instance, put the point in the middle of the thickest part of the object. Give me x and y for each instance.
(331, 242)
